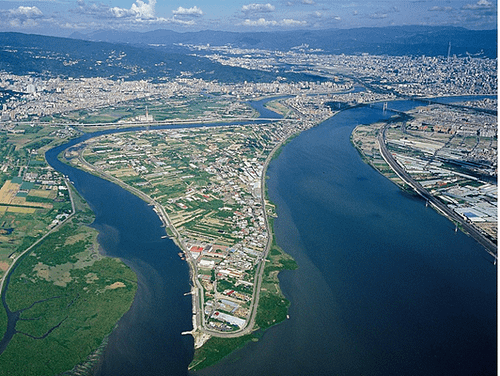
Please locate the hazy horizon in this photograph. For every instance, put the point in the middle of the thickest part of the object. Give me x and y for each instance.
(64, 17)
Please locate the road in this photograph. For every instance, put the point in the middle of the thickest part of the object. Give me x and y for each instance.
(467, 227)
(198, 298)
(55, 228)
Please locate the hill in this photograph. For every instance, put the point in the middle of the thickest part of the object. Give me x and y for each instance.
(46, 56)
(396, 40)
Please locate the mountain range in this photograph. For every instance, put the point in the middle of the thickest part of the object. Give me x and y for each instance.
(162, 54)
(396, 40)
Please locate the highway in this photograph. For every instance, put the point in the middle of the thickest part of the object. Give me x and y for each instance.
(466, 226)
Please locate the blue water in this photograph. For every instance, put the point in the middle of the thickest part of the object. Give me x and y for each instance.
(263, 111)
(384, 286)
(148, 339)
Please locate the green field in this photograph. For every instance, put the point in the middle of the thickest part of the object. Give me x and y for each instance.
(70, 298)
(188, 107)
(27, 212)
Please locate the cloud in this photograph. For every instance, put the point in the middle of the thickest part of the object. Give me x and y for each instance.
(377, 16)
(139, 10)
(287, 22)
(291, 22)
(21, 17)
(440, 9)
(28, 12)
(481, 4)
(179, 21)
(258, 8)
(308, 2)
(140, 13)
(194, 11)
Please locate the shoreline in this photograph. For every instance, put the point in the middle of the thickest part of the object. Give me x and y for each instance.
(199, 332)
(175, 237)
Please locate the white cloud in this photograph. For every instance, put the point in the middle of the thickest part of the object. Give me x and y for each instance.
(29, 12)
(481, 4)
(308, 2)
(16, 23)
(258, 8)
(290, 22)
(140, 11)
(194, 11)
(378, 16)
(118, 12)
(179, 21)
(144, 10)
(21, 17)
(287, 22)
(440, 9)
(259, 22)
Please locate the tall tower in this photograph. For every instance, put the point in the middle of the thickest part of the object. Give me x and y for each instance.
(449, 50)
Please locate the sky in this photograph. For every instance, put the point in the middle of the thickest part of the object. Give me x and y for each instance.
(63, 17)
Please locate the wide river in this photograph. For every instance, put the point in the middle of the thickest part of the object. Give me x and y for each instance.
(384, 287)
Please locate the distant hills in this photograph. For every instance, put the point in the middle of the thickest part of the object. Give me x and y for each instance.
(158, 55)
(396, 40)
(46, 56)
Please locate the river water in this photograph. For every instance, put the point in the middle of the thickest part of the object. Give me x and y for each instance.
(384, 286)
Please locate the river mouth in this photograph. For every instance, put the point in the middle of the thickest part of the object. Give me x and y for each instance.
(361, 245)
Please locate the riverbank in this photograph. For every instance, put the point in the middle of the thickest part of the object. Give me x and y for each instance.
(382, 278)
(272, 310)
(77, 295)
(419, 154)
(254, 278)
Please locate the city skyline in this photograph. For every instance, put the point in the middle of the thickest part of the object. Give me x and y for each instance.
(63, 17)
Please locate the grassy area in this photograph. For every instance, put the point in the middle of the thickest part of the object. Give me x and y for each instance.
(161, 109)
(272, 309)
(70, 299)
(273, 306)
(69, 296)
(30, 199)
(216, 349)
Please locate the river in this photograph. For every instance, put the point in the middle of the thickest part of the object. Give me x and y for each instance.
(384, 286)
